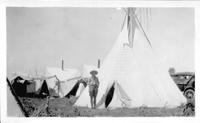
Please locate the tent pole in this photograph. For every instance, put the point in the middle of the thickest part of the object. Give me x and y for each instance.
(62, 64)
(99, 63)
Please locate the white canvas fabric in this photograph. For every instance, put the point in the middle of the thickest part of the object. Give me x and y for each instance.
(13, 109)
(119, 99)
(80, 90)
(84, 98)
(38, 84)
(144, 79)
(63, 76)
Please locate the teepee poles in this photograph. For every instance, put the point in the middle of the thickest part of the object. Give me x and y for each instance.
(140, 25)
(131, 13)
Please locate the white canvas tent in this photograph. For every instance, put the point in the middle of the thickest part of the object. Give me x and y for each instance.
(13, 104)
(13, 109)
(62, 76)
(133, 66)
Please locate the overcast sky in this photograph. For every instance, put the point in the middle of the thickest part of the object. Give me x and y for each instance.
(41, 37)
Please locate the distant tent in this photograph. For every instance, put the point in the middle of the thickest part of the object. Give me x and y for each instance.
(23, 86)
(18, 86)
(44, 91)
(65, 81)
(32, 86)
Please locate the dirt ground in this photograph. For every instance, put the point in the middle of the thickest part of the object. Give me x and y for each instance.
(62, 107)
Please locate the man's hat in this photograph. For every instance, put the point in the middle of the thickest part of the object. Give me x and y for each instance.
(93, 72)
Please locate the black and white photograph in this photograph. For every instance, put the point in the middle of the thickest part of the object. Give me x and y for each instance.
(100, 62)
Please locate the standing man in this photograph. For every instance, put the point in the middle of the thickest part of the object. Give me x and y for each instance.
(93, 88)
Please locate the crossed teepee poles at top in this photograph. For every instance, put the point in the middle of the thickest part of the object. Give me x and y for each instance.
(133, 22)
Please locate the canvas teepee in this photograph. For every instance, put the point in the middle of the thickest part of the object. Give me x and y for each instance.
(133, 65)
(131, 75)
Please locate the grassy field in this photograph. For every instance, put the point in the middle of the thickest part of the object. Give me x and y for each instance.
(63, 108)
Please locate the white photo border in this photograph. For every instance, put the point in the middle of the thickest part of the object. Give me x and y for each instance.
(67, 3)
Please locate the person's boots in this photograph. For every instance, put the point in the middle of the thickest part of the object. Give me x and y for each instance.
(94, 103)
(91, 102)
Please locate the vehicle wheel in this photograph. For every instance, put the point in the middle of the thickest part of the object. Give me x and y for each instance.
(189, 93)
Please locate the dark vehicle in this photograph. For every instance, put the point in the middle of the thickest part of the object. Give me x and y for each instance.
(185, 81)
